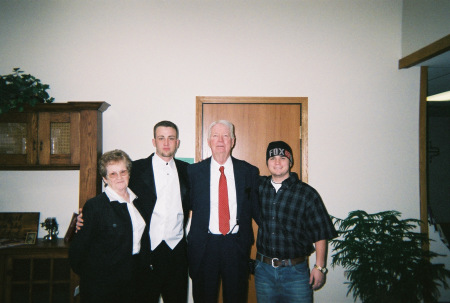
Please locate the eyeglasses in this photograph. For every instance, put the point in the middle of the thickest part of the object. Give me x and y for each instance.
(115, 175)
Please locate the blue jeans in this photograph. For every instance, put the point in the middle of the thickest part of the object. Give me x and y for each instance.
(282, 284)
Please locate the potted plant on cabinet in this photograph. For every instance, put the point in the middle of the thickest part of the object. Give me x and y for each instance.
(19, 89)
(384, 259)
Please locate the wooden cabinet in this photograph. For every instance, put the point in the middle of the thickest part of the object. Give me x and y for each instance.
(37, 273)
(56, 136)
(40, 138)
(15, 134)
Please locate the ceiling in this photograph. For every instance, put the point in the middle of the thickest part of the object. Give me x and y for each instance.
(438, 82)
(442, 60)
(438, 73)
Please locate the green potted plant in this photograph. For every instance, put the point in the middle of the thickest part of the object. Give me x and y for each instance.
(384, 259)
(19, 89)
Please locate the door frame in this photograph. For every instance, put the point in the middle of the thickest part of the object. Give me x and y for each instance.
(416, 58)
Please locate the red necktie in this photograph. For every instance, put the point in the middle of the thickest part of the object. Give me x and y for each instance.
(224, 211)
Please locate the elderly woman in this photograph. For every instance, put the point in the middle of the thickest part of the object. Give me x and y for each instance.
(106, 252)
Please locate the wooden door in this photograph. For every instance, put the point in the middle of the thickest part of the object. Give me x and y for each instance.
(59, 138)
(258, 121)
(18, 136)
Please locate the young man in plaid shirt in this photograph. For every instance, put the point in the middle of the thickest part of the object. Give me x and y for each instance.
(294, 223)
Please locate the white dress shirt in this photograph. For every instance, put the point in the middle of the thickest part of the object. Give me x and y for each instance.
(214, 198)
(137, 221)
(167, 218)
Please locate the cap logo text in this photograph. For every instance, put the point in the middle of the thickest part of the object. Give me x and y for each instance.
(276, 152)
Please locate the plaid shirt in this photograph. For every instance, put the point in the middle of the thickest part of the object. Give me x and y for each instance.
(292, 219)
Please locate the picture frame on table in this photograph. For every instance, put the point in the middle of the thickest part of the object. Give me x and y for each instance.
(31, 238)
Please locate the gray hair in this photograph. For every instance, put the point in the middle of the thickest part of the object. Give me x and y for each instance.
(224, 122)
(113, 156)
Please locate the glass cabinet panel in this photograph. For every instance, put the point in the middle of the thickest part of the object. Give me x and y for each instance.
(13, 138)
(60, 138)
(17, 144)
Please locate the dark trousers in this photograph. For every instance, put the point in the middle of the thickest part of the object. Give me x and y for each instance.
(106, 292)
(224, 260)
(169, 276)
(103, 289)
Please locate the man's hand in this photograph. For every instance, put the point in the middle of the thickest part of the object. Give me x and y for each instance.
(79, 220)
(316, 279)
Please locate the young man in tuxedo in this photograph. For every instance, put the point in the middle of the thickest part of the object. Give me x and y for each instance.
(160, 182)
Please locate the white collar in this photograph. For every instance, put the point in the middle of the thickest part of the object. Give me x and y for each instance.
(113, 196)
(228, 164)
(157, 160)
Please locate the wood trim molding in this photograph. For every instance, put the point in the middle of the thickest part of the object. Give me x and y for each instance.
(434, 49)
(100, 106)
(423, 152)
(221, 99)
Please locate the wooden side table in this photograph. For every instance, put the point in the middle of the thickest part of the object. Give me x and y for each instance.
(37, 273)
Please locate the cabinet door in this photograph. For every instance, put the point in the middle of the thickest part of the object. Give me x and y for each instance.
(59, 138)
(18, 138)
(37, 278)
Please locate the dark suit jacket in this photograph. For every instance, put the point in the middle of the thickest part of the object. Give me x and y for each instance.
(246, 178)
(101, 252)
(142, 183)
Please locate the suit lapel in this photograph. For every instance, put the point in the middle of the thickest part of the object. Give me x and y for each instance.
(145, 189)
(239, 178)
(205, 176)
(181, 178)
(148, 176)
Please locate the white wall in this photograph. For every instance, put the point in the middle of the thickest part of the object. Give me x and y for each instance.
(424, 22)
(150, 59)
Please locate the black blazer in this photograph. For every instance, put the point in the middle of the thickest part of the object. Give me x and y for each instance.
(101, 252)
(142, 183)
(246, 178)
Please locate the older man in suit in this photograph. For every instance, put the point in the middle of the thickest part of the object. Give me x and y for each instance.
(223, 200)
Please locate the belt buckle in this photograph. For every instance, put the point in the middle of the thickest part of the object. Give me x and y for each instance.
(273, 264)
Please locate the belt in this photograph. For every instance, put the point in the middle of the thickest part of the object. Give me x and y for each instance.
(275, 262)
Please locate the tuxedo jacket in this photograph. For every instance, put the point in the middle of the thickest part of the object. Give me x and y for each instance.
(101, 252)
(246, 181)
(142, 183)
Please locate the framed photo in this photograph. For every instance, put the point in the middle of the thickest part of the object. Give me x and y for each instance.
(16, 225)
(31, 238)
